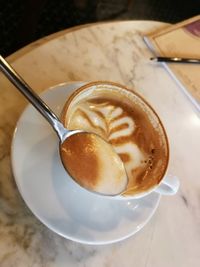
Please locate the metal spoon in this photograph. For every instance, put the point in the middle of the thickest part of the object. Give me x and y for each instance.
(104, 186)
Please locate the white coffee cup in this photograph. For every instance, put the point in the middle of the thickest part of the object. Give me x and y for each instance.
(123, 97)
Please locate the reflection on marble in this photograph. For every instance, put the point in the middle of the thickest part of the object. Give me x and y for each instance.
(113, 51)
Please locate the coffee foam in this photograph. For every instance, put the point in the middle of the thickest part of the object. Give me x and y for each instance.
(127, 122)
(93, 163)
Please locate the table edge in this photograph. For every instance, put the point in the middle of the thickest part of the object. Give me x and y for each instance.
(22, 51)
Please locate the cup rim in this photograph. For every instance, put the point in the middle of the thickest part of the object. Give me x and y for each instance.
(116, 84)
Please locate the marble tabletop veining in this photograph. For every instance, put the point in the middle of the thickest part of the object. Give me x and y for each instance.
(116, 52)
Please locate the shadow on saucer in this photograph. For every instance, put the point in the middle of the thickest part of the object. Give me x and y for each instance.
(83, 208)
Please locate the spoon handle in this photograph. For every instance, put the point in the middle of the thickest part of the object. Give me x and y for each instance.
(32, 97)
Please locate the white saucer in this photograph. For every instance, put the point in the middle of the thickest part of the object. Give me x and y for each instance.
(55, 198)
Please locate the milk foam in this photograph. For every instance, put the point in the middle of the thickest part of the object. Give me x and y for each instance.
(112, 177)
(130, 127)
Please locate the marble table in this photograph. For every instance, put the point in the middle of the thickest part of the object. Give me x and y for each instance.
(109, 51)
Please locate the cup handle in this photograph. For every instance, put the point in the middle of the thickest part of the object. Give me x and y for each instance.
(169, 185)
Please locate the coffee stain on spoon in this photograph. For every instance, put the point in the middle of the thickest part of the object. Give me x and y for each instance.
(94, 164)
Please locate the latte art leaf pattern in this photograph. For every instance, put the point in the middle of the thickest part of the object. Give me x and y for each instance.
(107, 118)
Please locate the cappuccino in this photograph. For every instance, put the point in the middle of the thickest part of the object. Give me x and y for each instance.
(129, 124)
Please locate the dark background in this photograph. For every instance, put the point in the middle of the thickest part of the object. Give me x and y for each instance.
(23, 21)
